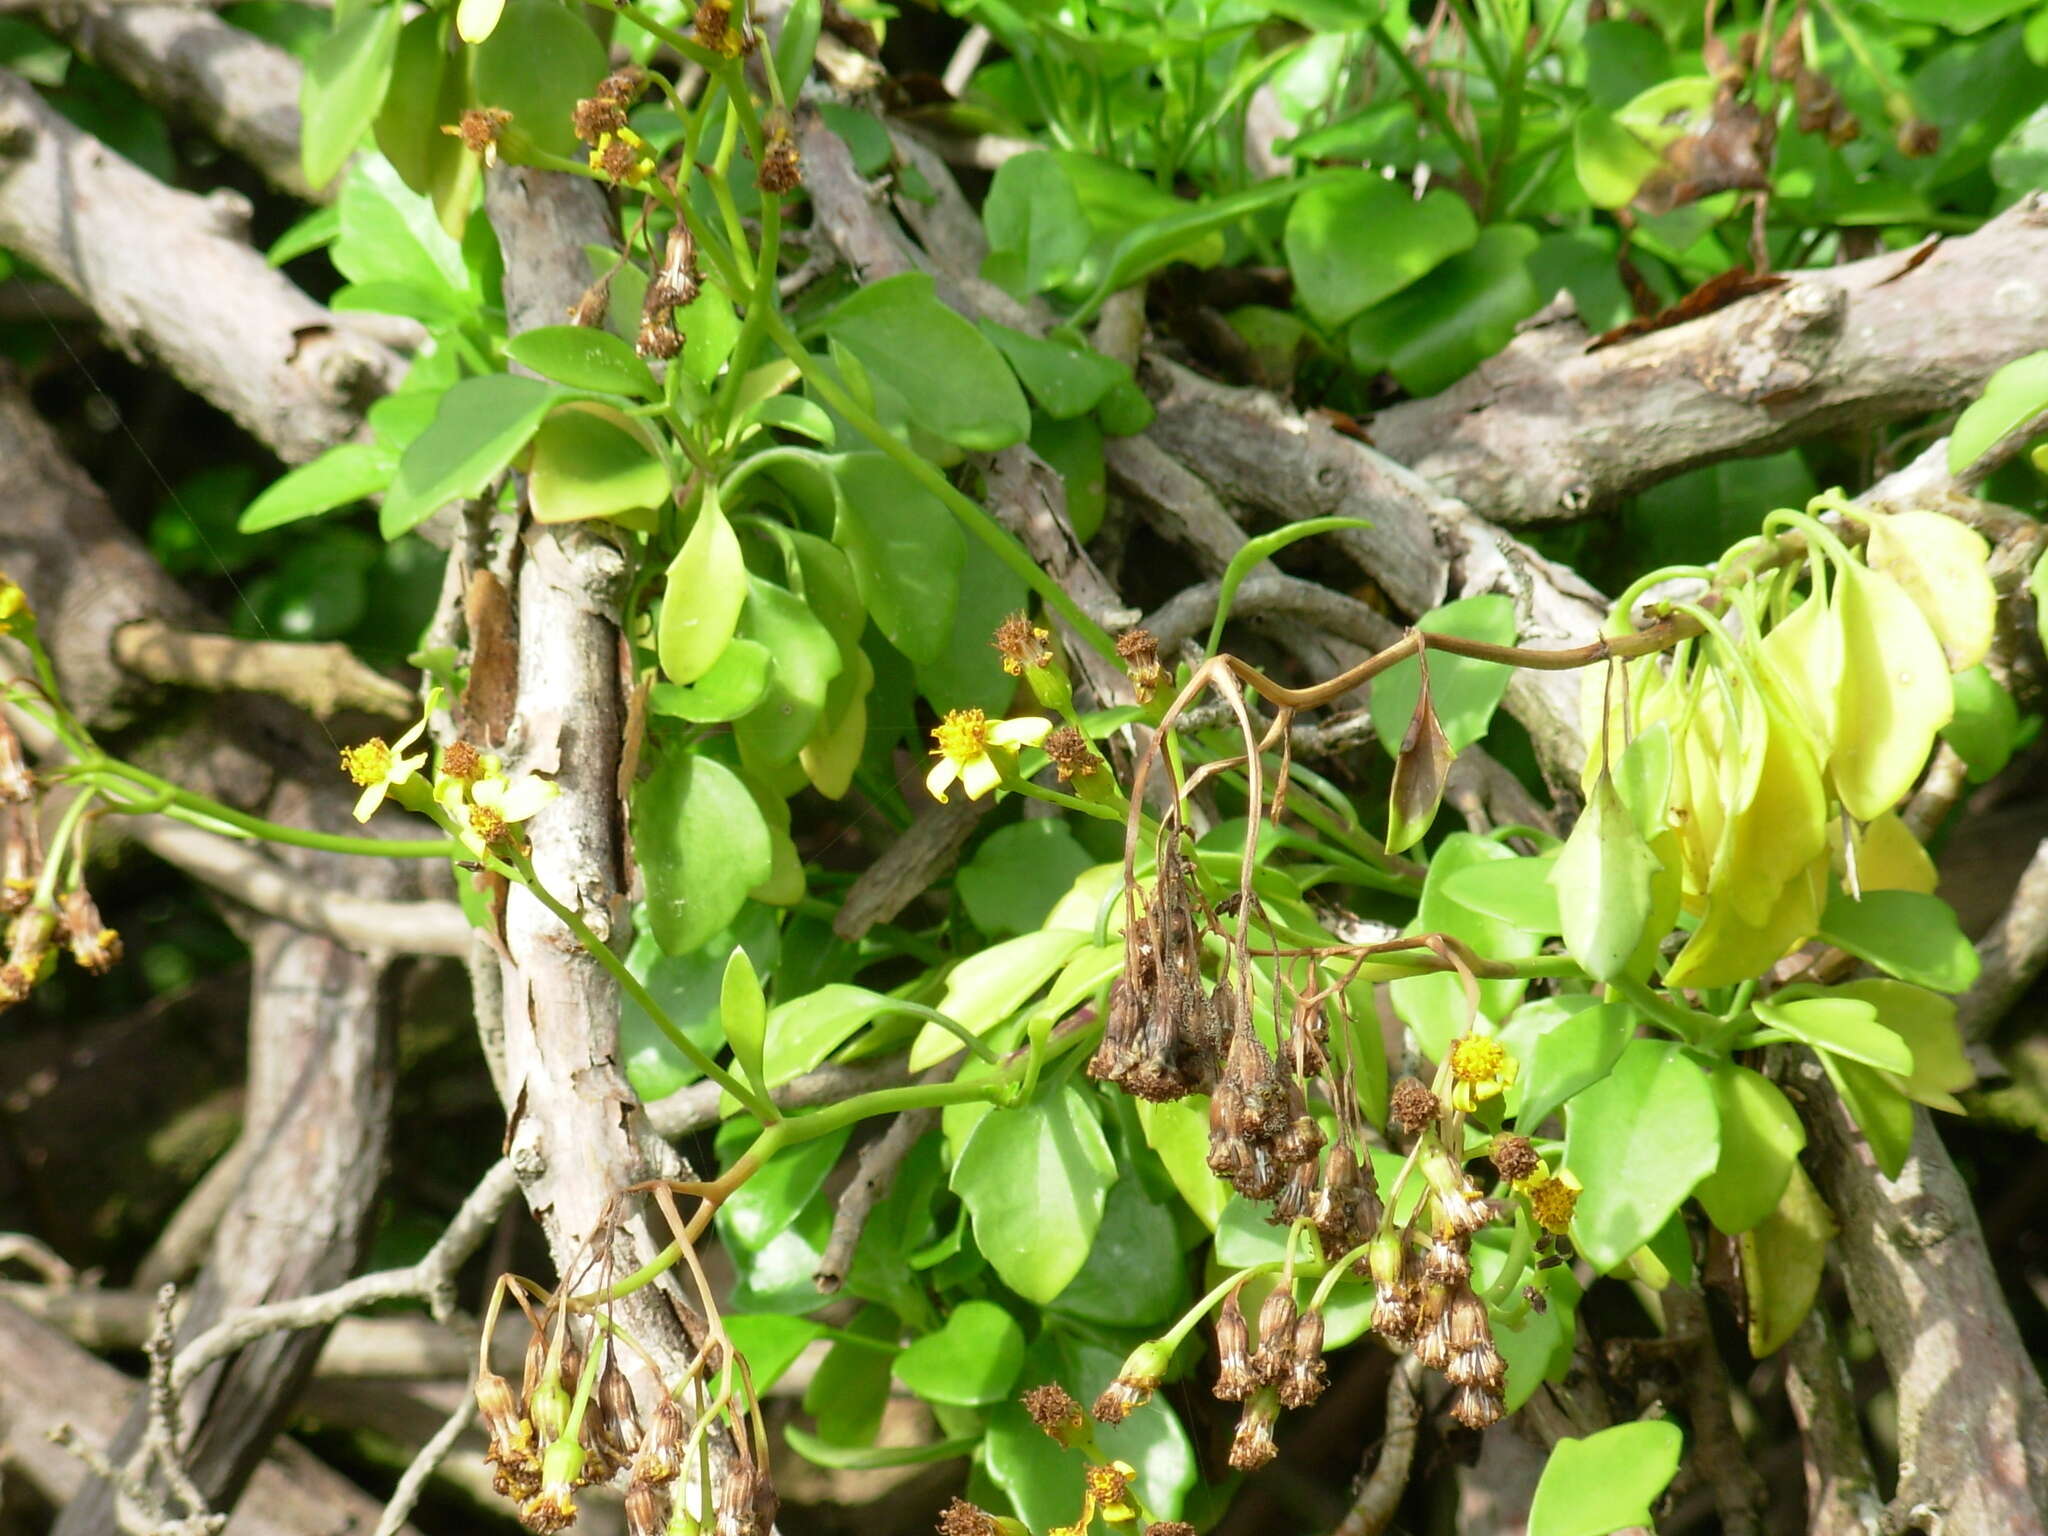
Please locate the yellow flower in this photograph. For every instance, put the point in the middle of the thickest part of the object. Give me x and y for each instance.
(1480, 1069)
(1109, 1488)
(964, 738)
(14, 610)
(1552, 1199)
(617, 156)
(380, 767)
(485, 808)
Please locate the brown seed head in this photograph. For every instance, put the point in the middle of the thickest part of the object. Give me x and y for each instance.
(782, 166)
(658, 339)
(480, 129)
(1252, 1446)
(715, 29)
(1918, 139)
(1106, 1484)
(1022, 644)
(1054, 1410)
(1514, 1157)
(1139, 650)
(1169, 1528)
(1071, 754)
(1276, 1336)
(1412, 1105)
(596, 116)
(736, 1516)
(623, 85)
(1476, 1407)
(647, 1509)
(1448, 1260)
(961, 1518)
(1235, 1380)
(93, 944)
(460, 760)
(659, 1459)
(1307, 1372)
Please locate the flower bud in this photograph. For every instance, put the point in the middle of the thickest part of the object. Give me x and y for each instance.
(548, 1407)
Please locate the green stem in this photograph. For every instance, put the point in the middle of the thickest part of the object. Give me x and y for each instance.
(1519, 1248)
(60, 841)
(759, 1105)
(695, 52)
(976, 519)
(199, 811)
(1661, 1011)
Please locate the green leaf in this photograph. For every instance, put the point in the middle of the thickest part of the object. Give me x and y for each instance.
(797, 45)
(1639, 1140)
(1916, 938)
(1157, 242)
(807, 658)
(858, 1458)
(1074, 450)
(1572, 1055)
(967, 673)
(1611, 162)
(1761, 1138)
(1065, 376)
(480, 427)
(951, 377)
(686, 988)
(775, 1195)
(2011, 395)
(990, 985)
(705, 591)
(1926, 1021)
(592, 461)
(408, 125)
(851, 1390)
(906, 549)
(1607, 1481)
(805, 1030)
(1515, 891)
(743, 1012)
(1179, 1132)
(310, 232)
(1985, 730)
(1136, 1275)
(1878, 1105)
(1602, 877)
(1018, 874)
(1436, 330)
(1964, 16)
(1434, 1006)
(737, 682)
(1255, 552)
(584, 357)
(770, 1344)
(1035, 1180)
(343, 88)
(709, 328)
(702, 845)
(341, 476)
(1337, 273)
(1783, 1258)
(973, 1360)
(389, 233)
(1842, 1026)
(1037, 231)
(1465, 692)
(537, 63)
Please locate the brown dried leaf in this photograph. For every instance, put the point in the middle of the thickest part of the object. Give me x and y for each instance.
(1420, 768)
(1715, 293)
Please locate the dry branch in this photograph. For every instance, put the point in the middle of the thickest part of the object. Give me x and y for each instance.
(1972, 1416)
(171, 286)
(1546, 430)
(1379, 1496)
(239, 90)
(322, 678)
(45, 1379)
(1841, 1490)
(873, 1178)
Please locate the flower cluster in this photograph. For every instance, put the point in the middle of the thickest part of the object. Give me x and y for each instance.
(484, 804)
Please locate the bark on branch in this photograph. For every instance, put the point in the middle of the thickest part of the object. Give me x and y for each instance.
(1547, 430)
(173, 286)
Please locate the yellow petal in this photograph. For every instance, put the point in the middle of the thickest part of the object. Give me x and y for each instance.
(1893, 696)
(1784, 827)
(1944, 567)
(979, 775)
(941, 778)
(475, 20)
(1888, 857)
(368, 801)
(1801, 661)
(1725, 950)
(1024, 731)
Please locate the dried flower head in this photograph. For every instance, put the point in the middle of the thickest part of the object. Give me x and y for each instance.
(460, 760)
(961, 1518)
(1108, 1487)
(736, 1498)
(621, 157)
(658, 339)
(17, 783)
(1139, 651)
(782, 166)
(1235, 1379)
(1022, 644)
(595, 116)
(1277, 1317)
(1412, 1105)
(1476, 1407)
(93, 944)
(15, 985)
(714, 28)
(480, 129)
(1071, 754)
(1514, 1157)
(1252, 1446)
(659, 1459)
(1169, 1528)
(1054, 1410)
(1307, 1372)
(1448, 1260)
(1918, 139)
(1142, 1372)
